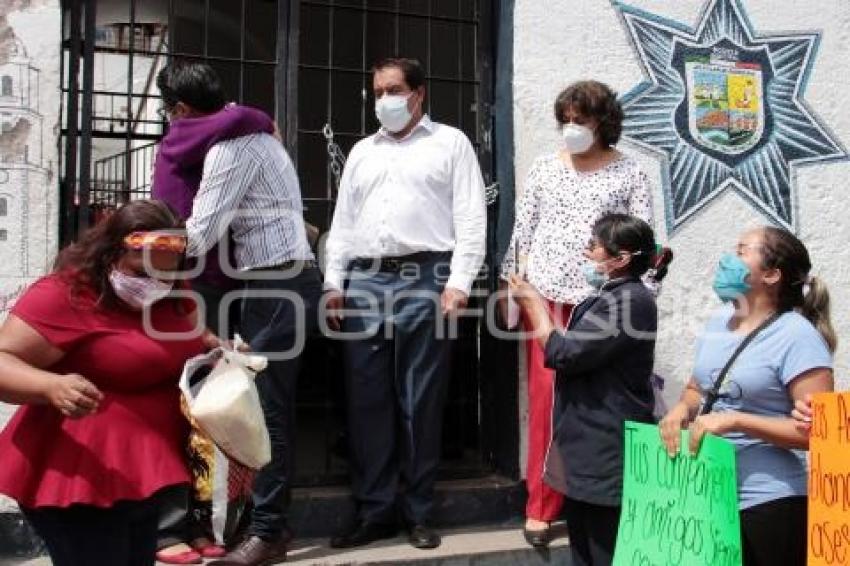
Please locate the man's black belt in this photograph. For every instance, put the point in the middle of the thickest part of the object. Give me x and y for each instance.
(395, 263)
(287, 265)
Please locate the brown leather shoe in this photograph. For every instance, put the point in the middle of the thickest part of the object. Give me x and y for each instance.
(255, 551)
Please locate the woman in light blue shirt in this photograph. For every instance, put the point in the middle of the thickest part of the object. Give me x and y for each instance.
(765, 284)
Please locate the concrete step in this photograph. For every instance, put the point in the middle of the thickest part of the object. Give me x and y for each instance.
(496, 545)
(318, 512)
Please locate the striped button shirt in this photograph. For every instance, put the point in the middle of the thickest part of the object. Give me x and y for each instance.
(249, 184)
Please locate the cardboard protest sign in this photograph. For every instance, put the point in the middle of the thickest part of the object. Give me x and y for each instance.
(677, 511)
(829, 480)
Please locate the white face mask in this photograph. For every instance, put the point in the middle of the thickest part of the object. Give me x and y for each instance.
(391, 111)
(138, 292)
(577, 139)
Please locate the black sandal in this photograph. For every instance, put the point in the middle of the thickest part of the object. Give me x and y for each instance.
(537, 538)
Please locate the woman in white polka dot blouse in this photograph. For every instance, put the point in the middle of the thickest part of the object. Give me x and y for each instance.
(565, 193)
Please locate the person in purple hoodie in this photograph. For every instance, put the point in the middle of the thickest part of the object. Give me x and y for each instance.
(176, 179)
(179, 167)
(224, 172)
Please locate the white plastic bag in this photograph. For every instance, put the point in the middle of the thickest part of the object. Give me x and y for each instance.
(514, 311)
(226, 405)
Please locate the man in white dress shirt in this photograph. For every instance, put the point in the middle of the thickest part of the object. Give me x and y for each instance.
(408, 236)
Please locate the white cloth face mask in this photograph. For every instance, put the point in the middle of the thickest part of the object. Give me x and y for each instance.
(138, 292)
(392, 112)
(577, 138)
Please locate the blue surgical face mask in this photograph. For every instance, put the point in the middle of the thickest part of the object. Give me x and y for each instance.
(593, 277)
(730, 279)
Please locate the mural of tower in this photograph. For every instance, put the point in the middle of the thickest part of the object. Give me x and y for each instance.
(25, 177)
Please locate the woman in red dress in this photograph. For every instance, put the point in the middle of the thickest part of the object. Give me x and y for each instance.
(87, 352)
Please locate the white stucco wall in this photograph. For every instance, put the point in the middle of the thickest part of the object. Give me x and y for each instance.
(29, 183)
(560, 41)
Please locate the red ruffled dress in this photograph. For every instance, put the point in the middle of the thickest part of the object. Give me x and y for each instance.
(134, 444)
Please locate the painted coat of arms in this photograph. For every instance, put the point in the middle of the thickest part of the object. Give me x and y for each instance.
(725, 102)
(723, 107)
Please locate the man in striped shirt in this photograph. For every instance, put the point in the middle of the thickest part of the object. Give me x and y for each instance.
(249, 186)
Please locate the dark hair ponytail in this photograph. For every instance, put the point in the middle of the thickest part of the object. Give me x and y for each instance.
(798, 290)
(660, 262)
(816, 308)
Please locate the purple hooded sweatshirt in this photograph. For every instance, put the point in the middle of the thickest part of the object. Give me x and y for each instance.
(179, 166)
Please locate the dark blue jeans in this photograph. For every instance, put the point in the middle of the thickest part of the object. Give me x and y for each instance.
(396, 388)
(277, 315)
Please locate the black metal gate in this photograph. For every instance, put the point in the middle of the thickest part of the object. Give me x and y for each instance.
(336, 44)
(111, 52)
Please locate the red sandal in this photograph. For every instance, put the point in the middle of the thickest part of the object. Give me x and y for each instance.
(211, 550)
(185, 557)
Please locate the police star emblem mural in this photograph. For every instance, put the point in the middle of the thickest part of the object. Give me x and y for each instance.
(724, 107)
